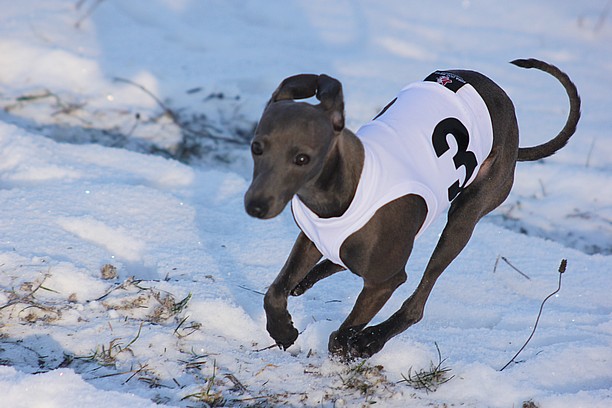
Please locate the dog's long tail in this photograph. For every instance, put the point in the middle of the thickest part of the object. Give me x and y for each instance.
(556, 143)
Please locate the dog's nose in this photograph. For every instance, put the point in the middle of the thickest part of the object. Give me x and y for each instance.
(257, 209)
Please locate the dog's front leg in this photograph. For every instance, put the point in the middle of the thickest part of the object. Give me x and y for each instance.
(304, 256)
(322, 270)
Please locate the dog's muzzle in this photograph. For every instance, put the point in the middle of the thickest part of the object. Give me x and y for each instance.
(257, 209)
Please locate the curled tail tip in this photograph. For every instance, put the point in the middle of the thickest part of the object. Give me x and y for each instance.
(524, 63)
(549, 148)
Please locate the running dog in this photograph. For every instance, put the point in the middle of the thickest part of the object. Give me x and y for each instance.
(361, 199)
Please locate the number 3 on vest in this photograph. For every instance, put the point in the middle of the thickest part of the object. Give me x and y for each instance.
(463, 157)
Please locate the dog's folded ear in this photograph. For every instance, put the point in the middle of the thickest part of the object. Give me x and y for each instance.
(296, 87)
(328, 91)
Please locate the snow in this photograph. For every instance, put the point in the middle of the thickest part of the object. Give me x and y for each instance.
(182, 324)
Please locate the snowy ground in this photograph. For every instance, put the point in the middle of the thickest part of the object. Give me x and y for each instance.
(177, 319)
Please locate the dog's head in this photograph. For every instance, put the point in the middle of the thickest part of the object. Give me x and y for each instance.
(292, 141)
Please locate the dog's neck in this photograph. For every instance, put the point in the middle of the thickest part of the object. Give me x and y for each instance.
(332, 192)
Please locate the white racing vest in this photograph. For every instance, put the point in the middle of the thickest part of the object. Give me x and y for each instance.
(429, 141)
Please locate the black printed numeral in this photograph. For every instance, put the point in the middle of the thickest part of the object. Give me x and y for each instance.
(463, 157)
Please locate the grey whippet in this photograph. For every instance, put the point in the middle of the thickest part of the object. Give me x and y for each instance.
(304, 150)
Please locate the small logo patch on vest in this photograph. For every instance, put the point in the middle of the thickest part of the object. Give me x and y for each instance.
(447, 79)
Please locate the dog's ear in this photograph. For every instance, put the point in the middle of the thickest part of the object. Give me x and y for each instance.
(328, 91)
(296, 87)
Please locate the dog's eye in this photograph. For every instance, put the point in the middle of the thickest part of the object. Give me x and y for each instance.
(301, 159)
(256, 148)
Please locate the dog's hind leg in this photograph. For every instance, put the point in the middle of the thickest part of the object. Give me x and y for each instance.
(369, 302)
(374, 254)
(481, 197)
(322, 270)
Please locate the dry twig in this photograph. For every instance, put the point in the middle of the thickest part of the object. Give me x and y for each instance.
(562, 268)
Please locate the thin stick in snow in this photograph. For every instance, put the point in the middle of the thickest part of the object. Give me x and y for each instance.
(503, 258)
(562, 268)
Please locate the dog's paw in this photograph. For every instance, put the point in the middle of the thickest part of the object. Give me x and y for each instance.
(366, 343)
(297, 291)
(339, 343)
(352, 343)
(302, 287)
(283, 334)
